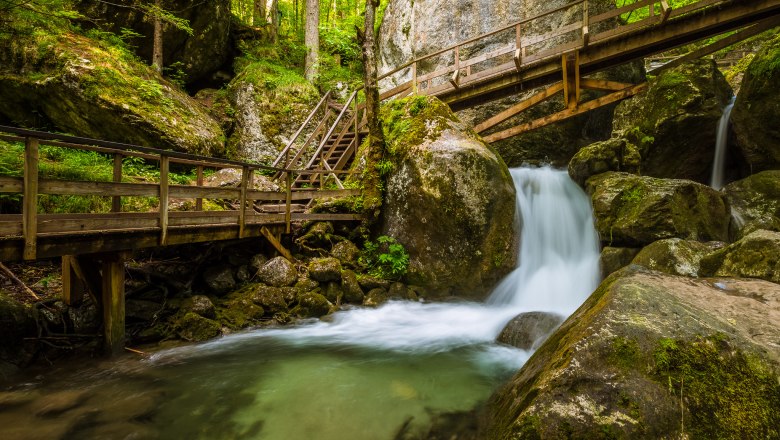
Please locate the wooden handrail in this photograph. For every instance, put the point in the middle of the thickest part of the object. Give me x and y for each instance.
(332, 128)
(286, 149)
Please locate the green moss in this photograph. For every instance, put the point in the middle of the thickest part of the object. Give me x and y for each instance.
(193, 327)
(410, 121)
(767, 62)
(728, 393)
(625, 352)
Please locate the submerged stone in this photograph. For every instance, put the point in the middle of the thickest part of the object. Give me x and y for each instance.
(527, 330)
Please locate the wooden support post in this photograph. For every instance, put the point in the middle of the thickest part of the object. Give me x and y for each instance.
(665, 11)
(288, 204)
(199, 182)
(455, 78)
(246, 176)
(571, 78)
(276, 244)
(164, 166)
(116, 201)
(414, 77)
(113, 295)
(518, 59)
(30, 201)
(585, 20)
(73, 288)
(520, 107)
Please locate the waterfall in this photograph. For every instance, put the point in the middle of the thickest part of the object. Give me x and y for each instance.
(721, 143)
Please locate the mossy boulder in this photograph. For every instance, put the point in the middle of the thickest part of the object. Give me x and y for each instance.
(375, 297)
(351, 287)
(346, 252)
(193, 327)
(271, 299)
(614, 154)
(529, 329)
(676, 256)
(650, 356)
(278, 272)
(757, 255)
(449, 199)
(613, 259)
(757, 110)
(201, 305)
(635, 211)
(755, 203)
(86, 87)
(674, 123)
(311, 305)
(325, 269)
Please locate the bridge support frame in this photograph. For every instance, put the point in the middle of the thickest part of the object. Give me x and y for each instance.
(113, 299)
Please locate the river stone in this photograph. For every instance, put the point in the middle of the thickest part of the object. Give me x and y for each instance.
(193, 327)
(346, 252)
(397, 291)
(757, 110)
(272, 299)
(614, 154)
(621, 363)
(305, 283)
(325, 269)
(755, 203)
(257, 261)
(674, 123)
(613, 259)
(219, 278)
(527, 330)
(757, 255)
(676, 256)
(79, 87)
(278, 272)
(449, 200)
(334, 292)
(369, 282)
(351, 287)
(84, 317)
(201, 305)
(311, 305)
(375, 297)
(635, 211)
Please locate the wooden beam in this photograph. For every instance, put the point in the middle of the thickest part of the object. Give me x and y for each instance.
(565, 114)
(30, 200)
(665, 11)
(455, 78)
(571, 78)
(585, 31)
(276, 244)
(113, 298)
(116, 201)
(199, 183)
(73, 288)
(288, 202)
(246, 177)
(164, 166)
(603, 85)
(520, 107)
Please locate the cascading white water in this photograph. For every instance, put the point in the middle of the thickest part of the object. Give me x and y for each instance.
(558, 269)
(721, 142)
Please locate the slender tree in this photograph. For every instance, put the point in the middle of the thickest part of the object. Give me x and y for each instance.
(157, 48)
(368, 42)
(274, 21)
(258, 16)
(312, 39)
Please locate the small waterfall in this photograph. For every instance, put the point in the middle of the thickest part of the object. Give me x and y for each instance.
(721, 143)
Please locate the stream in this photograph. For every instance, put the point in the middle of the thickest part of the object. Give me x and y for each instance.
(362, 374)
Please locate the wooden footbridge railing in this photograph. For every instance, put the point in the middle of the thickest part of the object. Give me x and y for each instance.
(93, 246)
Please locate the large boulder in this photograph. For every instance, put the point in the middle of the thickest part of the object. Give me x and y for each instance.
(757, 110)
(652, 356)
(676, 256)
(198, 56)
(411, 29)
(613, 259)
(757, 255)
(528, 330)
(755, 203)
(615, 154)
(635, 211)
(84, 87)
(449, 199)
(674, 123)
(278, 272)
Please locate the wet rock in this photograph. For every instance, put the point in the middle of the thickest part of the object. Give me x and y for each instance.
(201, 305)
(676, 256)
(397, 291)
(271, 299)
(351, 287)
(334, 292)
(375, 297)
(219, 278)
(325, 269)
(278, 272)
(305, 283)
(614, 154)
(369, 282)
(757, 255)
(193, 327)
(257, 261)
(615, 258)
(528, 330)
(141, 310)
(755, 203)
(646, 351)
(346, 252)
(311, 305)
(243, 274)
(240, 312)
(635, 211)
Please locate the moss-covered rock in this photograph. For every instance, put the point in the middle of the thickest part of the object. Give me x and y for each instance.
(325, 269)
(636, 211)
(613, 259)
(674, 123)
(449, 199)
(311, 305)
(757, 110)
(375, 297)
(271, 299)
(529, 329)
(278, 272)
(676, 256)
(91, 88)
(346, 252)
(614, 154)
(201, 305)
(193, 327)
(652, 356)
(757, 255)
(351, 287)
(755, 203)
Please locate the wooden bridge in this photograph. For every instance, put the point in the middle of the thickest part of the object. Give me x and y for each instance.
(94, 246)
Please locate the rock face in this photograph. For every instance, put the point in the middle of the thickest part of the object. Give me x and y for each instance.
(528, 330)
(614, 154)
(449, 200)
(757, 255)
(636, 211)
(278, 272)
(80, 87)
(674, 123)
(755, 203)
(675, 256)
(652, 356)
(198, 55)
(757, 110)
(613, 259)
(411, 29)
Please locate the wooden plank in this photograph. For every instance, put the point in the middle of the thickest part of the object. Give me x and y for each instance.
(113, 295)
(603, 85)
(565, 114)
(536, 39)
(11, 225)
(203, 192)
(116, 201)
(518, 58)
(246, 177)
(73, 288)
(665, 11)
(199, 183)
(77, 188)
(164, 166)
(520, 107)
(11, 184)
(455, 78)
(301, 216)
(47, 225)
(30, 200)
(487, 56)
(277, 244)
(398, 89)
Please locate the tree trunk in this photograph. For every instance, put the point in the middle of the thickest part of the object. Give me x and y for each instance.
(369, 46)
(274, 21)
(157, 49)
(258, 17)
(312, 39)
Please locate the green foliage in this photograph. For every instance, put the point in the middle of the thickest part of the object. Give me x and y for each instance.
(643, 12)
(385, 258)
(384, 167)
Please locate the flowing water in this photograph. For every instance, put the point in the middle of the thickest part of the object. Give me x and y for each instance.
(721, 144)
(364, 374)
